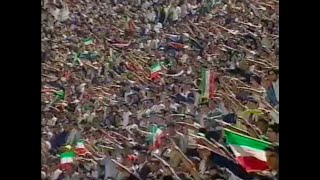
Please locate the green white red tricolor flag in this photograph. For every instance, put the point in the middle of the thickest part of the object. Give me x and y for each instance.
(155, 137)
(249, 152)
(67, 157)
(66, 160)
(155, 69)
(80, 148)
(208, 85)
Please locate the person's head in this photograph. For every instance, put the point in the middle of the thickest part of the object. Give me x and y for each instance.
(142, 157)
(243, 65)
(212, 104)
(154, 164)
(263, 125)
(125, 108)
(167, 102)
(272, 155)
(255, 80)
(196, 161)
(171, 127)
(273, 74)
(252, 103)
(67, 127)
(205, 107)
(273, 132)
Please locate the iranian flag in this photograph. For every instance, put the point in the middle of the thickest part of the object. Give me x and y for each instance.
(81, 149)
(155, 137)
(249, 152)
(155, 69)
(66, 159)
(208, 86)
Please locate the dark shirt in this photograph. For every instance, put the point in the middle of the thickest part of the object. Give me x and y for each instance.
(235, 168)
(144, 171)
(189, 99)
(59, 140)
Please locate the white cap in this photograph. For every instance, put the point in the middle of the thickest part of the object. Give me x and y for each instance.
(186, 34)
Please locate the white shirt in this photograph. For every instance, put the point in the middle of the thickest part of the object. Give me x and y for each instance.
(126, 94)
(174, 106)
(151, 15)
(54, 12)
(222, 107)
(64, 14)
(157, 27)
(146, 4)
(192, 8)
(184, 10)
(184, 58)
(185, 94)
(52, 122)
(153, 43)
(196, 98)
(125, 118)
(43, 175)
(275, 86)
(275, 116)
(175, 13)
(157, 108)
(202, 166)
(48, 144)
(110, 168)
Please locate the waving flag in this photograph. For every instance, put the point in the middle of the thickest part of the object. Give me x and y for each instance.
(249, 152)
(208, 86)
(155, 69)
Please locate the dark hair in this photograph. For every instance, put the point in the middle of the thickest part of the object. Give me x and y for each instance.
(171, 124)
(202, 130)
(256, 78)
(168, 177)
(274, 127)
(252, 99)
(275, 71)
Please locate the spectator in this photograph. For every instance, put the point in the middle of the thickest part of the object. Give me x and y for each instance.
(157, 89)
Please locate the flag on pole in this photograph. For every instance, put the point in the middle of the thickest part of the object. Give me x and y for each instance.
(81, 149)
(249, 152)
(208, 86)
(155, 137)
(67, 157)
(88, 41)
(66, 160)
(155, 69)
